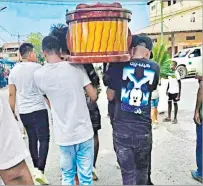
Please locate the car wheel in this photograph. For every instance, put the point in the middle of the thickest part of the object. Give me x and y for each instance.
(182, 71)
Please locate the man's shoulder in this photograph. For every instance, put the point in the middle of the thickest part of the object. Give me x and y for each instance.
(37, 65)
(39, 71)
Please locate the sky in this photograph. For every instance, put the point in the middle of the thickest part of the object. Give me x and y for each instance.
(26, 16)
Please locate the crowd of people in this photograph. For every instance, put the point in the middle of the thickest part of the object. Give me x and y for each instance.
(4, 73)
(71, 95)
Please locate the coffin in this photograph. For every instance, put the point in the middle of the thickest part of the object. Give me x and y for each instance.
(98, 33)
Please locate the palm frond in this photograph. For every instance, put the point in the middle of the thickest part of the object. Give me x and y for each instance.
(162, 57)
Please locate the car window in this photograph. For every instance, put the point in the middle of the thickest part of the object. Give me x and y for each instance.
(196, 52)
(182, 53)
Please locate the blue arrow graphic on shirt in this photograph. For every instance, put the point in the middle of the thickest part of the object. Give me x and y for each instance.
(148, 77)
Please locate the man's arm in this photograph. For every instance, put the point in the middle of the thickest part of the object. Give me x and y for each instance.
(167, 89)
(12, 98)
(156, 78)
(197, 116)
(91, 92)
(179, 84)
(92, 74)
(110, 94)
(114, 73)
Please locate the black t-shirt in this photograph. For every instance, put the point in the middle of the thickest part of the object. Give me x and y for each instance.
(133, 83)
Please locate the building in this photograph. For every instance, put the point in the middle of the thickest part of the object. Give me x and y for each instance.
(182, 23)
(10, 51)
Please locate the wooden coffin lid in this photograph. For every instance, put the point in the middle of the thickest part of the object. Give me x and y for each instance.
(99, 11)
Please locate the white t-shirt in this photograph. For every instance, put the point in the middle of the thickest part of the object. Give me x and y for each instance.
(173, 83)
(29, 98)
(63, 84)
(12, 146)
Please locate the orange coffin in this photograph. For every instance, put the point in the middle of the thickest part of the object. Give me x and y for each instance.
(98, 33)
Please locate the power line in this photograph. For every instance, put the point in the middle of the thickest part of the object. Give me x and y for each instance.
(5, 30)
(12, 35)
(3, 39)
(59, 3)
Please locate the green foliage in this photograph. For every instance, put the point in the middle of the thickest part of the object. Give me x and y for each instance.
(36, 40)
(162, 57)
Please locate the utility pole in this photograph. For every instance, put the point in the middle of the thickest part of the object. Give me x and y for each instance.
(162, 24)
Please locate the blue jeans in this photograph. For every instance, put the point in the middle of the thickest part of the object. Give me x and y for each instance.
(77, 158)
(199, 149)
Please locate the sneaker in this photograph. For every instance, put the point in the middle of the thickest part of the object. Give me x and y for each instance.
(94, 174)
(154, 126)
(196, 176)
(167, 120)
(175, 121)
(40, 178)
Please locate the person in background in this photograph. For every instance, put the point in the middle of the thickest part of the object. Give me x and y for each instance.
(154, 107)
(60, 32)
(13, 152)
(131, 85)
(174, 92)
(111, 104)
(32, 108)
(6, 73)
(64, 85)
(198, 116)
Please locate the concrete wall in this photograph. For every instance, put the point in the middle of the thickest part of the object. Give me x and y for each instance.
(180, 40)
(181, 5)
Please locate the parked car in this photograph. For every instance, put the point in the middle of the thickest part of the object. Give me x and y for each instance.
(7, 63)
(189, 61)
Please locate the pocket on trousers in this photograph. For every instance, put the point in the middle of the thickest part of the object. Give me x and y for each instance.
(122, 139)
(144, 142)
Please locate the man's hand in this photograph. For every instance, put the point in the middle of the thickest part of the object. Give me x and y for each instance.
(197, 118)
(15, 116)
(178, 97)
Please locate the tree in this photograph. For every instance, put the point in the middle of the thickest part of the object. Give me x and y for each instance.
(162, 57)
(36, 40)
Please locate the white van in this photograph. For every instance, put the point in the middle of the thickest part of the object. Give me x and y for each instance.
(189, 61)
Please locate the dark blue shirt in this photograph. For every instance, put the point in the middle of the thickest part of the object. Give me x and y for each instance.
(133, 83)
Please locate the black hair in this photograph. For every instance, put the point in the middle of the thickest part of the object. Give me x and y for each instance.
(25, 48)
(59, 31)
(51, 44)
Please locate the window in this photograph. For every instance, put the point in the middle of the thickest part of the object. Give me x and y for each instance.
(153, 7)
(169, 39)
(174, 2)
(192, 19)
(196, 53)
(13, 55)
(190, 38)
(169, 3)
(182, 53)
(154, 40)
